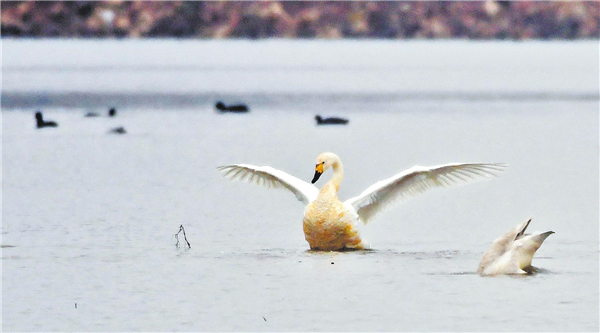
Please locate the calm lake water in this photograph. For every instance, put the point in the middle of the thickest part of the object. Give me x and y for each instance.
(88, 217)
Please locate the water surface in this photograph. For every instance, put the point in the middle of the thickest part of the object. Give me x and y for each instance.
(88, 218)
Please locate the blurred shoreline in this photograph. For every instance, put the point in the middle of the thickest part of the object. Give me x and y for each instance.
(482, 20)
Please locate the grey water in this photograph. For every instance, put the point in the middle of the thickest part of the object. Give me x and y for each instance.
(88, 217)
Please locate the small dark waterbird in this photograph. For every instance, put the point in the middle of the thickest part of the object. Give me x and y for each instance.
(118, 130)
(330, 121)
(41, 123)
(111, 113)
(231, 108)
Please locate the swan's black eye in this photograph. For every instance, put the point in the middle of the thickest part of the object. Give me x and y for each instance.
(322, 162)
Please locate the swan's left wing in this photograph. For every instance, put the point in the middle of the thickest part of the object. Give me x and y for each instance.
(417, 180)
(271, 177)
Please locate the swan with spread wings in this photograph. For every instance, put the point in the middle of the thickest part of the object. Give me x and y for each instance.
(331, 225)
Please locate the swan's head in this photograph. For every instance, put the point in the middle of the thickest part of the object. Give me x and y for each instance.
(318, 118)
(324, 162)
(38, 116)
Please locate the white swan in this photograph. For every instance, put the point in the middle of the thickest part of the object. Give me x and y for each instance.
(512, 253)
(330, 224)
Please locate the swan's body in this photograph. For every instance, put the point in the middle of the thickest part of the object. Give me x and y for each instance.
(513, 252)
(330, 224)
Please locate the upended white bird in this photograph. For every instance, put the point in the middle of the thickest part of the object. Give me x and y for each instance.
(330, 224)
(512, 253)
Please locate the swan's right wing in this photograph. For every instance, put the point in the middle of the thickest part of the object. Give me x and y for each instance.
(416, 180)
(270, 177)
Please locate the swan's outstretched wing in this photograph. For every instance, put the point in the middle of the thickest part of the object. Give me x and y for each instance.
(270, 177)
(416, 180)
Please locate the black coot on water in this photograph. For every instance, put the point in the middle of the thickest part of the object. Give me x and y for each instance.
(330, 121)
(111, 113)
(118, 130)
(231, 108)
(40, 123)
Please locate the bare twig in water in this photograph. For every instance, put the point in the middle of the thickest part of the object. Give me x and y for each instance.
(181, 229)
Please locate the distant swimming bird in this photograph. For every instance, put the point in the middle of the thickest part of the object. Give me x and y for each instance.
(112, 112)
(40, 123)
(232, 108)
(512, 253)
(118, 130)
(330, 121)
(91, 114)
(330, 224)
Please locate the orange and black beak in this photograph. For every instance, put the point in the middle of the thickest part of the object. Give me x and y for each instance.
(318, 172)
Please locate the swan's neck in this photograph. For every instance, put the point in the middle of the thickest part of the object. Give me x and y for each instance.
(338, 174)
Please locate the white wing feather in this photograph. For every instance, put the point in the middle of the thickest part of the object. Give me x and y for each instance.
(417, 180)
(270, 177)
